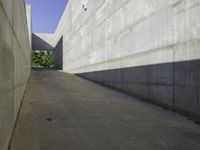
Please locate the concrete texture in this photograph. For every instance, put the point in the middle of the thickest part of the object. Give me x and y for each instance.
(172, 85)
(114, 34)
(112, 42)
(43, 41)
(61, 111)
(58, 52)
(29, 21)
(15, 60)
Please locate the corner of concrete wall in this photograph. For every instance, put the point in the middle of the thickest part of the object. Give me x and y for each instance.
(43, 41)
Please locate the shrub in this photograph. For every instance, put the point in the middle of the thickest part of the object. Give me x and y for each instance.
(43, 59)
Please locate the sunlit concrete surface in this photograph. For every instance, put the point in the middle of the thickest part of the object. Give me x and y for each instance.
(147, 48)
(61, 111)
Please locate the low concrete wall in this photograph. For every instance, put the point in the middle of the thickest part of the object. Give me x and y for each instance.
(46, 41)
(15, 60)
(43, 41)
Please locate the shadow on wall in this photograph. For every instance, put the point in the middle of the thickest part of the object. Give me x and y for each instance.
(175, 86)
(40, 44)
(58, 52)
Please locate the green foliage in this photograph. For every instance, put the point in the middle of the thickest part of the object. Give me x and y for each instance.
(43, 59)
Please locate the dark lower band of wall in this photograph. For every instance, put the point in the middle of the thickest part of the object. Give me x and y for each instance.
(175, 86)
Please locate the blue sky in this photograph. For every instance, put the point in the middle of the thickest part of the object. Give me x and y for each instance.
(46, 14)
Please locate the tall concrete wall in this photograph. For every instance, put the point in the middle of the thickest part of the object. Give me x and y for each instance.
(15, 60)
(148, 48)
(120, 30)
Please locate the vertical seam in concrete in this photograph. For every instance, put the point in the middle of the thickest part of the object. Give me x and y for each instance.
(197, 89)
(149, 81)
(198, 103)
(198, 92)
(173, 85)
(173, 65)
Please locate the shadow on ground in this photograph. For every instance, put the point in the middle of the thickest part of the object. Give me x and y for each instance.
(61, 111)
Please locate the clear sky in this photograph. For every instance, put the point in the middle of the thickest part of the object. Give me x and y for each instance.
(46, 14)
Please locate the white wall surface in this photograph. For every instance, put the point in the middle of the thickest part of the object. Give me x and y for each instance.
(125, 33)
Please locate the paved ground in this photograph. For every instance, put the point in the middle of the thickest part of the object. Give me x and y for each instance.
(64, 112)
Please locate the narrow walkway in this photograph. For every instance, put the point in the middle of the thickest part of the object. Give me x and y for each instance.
(64, 112)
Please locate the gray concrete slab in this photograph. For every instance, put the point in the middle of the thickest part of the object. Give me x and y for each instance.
(15, 64)
(183, 102)
(64, 112)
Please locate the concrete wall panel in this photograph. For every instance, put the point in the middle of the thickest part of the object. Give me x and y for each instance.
(186, 100)
(15, 60)
(43, 41)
